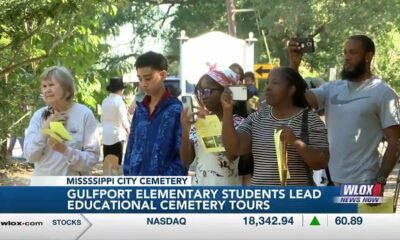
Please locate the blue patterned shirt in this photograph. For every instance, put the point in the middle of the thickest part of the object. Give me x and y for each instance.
(154, 140)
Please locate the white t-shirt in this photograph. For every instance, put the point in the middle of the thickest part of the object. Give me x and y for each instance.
(214, 169)
(114, 119)
(356, 114)
(82, 152)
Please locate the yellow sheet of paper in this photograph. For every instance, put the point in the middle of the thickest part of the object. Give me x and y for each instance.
(253, 102)
(255, 98)
(209, 132)
(385, 207)
(57, 131)
(59, 128)
(278, 151)
(52, 134)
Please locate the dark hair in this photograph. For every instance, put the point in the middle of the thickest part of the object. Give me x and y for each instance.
(241, 72)
(368, 44)
(240, 109)
(47, 112)
(250, 75)
(174, 91)
(295, 79)
(152, 59)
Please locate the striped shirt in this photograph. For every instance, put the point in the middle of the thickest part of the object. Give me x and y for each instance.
(260, 126)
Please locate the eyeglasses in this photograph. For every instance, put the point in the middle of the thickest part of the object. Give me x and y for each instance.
(206, 92)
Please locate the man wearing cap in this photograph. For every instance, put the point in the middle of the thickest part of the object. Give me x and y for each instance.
(114, 119)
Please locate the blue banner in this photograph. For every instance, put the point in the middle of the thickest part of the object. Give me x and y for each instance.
(172, 200)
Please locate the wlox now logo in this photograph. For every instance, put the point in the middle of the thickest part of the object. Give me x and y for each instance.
(360, 193)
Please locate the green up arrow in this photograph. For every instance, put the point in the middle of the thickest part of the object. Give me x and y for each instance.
(315, 222)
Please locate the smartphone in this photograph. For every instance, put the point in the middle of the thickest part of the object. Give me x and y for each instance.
(239, 93)
(188, 103)
(306, 44)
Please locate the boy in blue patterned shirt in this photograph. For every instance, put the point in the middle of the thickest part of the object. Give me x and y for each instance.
(155, 137)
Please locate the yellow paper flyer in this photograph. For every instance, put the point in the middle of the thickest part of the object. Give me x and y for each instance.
(52, 134)
(386, 207)
(57, 131)
(209, 131)
(253, 102)
(59, 128)
(281, 157)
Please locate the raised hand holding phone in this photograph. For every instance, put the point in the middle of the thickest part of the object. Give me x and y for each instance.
(239, 93)
(306, 44)
(188, 107)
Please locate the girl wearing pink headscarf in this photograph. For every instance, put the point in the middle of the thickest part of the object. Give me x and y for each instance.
(212, 169)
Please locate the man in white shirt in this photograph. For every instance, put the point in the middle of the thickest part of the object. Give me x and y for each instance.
(114, 118)
(360, 110)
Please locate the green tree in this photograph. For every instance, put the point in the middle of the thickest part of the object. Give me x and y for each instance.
(329, 22)
(37, 34)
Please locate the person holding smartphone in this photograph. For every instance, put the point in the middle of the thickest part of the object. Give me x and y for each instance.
(360, 110)
(211, 168)
(287, 111)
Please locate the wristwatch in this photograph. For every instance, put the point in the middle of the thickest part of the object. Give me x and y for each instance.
(381, 180)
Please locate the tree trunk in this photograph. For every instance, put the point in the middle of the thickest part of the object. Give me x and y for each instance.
(3, 153)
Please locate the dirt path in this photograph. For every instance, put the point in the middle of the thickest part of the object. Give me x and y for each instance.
(19, 173)
(16, 173)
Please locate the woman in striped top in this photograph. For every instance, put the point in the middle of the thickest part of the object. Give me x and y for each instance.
(287, 108)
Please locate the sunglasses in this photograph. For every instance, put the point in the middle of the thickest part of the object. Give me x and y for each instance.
(206, 92)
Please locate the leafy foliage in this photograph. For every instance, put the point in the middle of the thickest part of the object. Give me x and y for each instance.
(330, 22)
(37, 34)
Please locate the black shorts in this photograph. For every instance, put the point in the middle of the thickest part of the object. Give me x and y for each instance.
(115, 149)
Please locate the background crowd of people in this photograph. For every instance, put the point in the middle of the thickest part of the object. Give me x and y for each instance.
(361, 110)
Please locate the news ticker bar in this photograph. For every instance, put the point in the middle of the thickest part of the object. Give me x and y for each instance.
(171, 200)
(199, 226)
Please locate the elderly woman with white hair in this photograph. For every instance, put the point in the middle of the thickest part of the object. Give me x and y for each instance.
(52, 157)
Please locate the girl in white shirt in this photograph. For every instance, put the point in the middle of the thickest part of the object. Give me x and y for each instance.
(212, 169)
